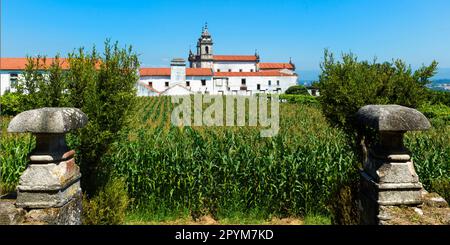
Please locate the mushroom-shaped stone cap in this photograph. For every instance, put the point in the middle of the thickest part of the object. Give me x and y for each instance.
(48, 120)
(392, 118)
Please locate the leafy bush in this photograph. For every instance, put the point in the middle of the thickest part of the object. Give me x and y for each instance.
(299, 99)
(347, 85)
(10, 104)
(442, 187)
(297, 89)
(438, 97)
(109, 206)
(102, 86)
(438, 114)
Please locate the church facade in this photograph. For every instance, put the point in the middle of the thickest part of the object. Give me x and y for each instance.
(209, 73)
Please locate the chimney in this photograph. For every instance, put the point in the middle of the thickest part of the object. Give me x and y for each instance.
(178, 70)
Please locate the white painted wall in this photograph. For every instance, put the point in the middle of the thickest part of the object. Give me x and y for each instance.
(224, 66)
(5, 80)
(227, 85)
(195, 83)
(232, 85)
(141, 90)
(177, 89)
(177, 73)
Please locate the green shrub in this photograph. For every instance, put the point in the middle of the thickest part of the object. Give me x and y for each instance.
(347, 85)
(10, 104)
(109, 206)
(442, 187)
(297, 89)
(438, 97)
(103, 87)
(299, 99)
(438, 114)
(344, 204)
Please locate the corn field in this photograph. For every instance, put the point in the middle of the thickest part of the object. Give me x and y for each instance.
(220, 170)
(224, 169)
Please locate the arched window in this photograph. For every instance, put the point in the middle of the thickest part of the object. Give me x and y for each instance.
(207, 50)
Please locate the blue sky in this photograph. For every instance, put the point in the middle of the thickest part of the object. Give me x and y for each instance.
(417, 31)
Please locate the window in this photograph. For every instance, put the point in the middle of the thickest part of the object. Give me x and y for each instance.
(278, 82)
(251, 70)
(258, 86)
(240, 70)
(243, 81)
(229, 70)
(207, 49)
(188, 83)
(13, 80)
(218, 70)
(203, 82)
(270, 83)
(167, 84)
(150, 84)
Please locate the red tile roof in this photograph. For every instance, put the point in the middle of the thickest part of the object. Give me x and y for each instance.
(154, 71)
(21, 63)
(273, 66)
(253, 74)
(234, 57)
(166, 72)
(198, 72)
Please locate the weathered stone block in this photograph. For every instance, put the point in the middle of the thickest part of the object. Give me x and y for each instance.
(47, 199)
(48, 120)
(68, 214)
(9, 214)
(49, 177)
(392, 118)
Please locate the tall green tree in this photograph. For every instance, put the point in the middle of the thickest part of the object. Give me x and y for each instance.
(53, 88)
(102, 86)
(29, 86)
(348, 84)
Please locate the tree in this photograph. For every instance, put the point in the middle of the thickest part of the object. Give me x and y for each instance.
(53, 88)
(103, 87)
(347, 85)
(29, 86)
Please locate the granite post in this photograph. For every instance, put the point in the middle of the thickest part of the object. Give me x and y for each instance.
(49, 188)
(388, 177)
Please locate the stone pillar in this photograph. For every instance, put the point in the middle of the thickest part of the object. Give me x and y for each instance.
(388, 177)
(49, 188)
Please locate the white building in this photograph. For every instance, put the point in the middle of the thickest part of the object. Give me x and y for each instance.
(11, 71)
(207, 73)
(218, 74)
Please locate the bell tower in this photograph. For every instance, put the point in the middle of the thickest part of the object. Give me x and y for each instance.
(204, 57)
